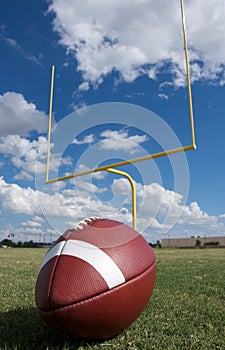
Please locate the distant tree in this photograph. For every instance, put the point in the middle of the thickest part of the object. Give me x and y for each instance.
(29, 244)
(7, 242)
(158, 244)
(198, 243)
(19, 244)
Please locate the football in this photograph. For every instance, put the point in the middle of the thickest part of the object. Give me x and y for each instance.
(95, 280)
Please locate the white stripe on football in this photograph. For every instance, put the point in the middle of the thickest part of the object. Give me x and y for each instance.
(96, 257)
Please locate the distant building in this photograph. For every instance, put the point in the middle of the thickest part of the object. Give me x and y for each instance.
(193, 242)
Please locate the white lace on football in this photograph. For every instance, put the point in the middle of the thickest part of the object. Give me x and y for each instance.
(83, 223)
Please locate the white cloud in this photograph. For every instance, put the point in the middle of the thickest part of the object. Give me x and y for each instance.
(86, 140)
(98, 175)
(89, 187)
(138, 37)
(159, 209)
(163, 96)
(38, 219)
(29, 156)
(17, 199)
(16, 46)
(206, 30)
(32, 231)
(164, 211)
(17, 116)
(85, 86)
(80, 108)
(23, 175)
(36, 223)
(30, 223)
(156, 201)
(25, 154)
(119, 140)
(193, 215)
(121, 187)
(57, 186)
(69, 203)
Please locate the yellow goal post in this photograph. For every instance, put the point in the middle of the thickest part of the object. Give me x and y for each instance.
(111, 167)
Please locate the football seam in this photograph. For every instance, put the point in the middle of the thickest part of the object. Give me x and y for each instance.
(53, 276)
(93, 220)
(97, 295)
(79, 228)
(86, 222)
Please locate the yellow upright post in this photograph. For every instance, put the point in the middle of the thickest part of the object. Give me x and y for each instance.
(50, 123)
(188, 75)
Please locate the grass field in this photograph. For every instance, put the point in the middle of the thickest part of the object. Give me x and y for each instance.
(186, 311)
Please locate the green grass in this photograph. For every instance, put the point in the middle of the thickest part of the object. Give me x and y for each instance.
(186, 311)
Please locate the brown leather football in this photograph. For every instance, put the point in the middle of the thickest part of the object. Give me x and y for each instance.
(95, 280)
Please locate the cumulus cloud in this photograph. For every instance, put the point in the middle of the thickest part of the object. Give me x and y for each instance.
(28, 156)
(30, 223)
(121, 187)
(86, 140)
(100, 175)
(68, 203)
(85, 86)
(89, 187)
(31, 230)
(165, 212)
(25, 154)
(206, 28)
(17, 199)
(159, 210)
(119, 140)
(114, 140)
(140, 37)
(18, 116)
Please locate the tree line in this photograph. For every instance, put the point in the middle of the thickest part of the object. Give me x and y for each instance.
(27, 244)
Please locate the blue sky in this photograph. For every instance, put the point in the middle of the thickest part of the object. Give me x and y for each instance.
(120, 92)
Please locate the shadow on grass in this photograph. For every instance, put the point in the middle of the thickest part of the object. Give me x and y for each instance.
(22, 329)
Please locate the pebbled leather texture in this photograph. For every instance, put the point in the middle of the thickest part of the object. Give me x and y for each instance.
(105, 315)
